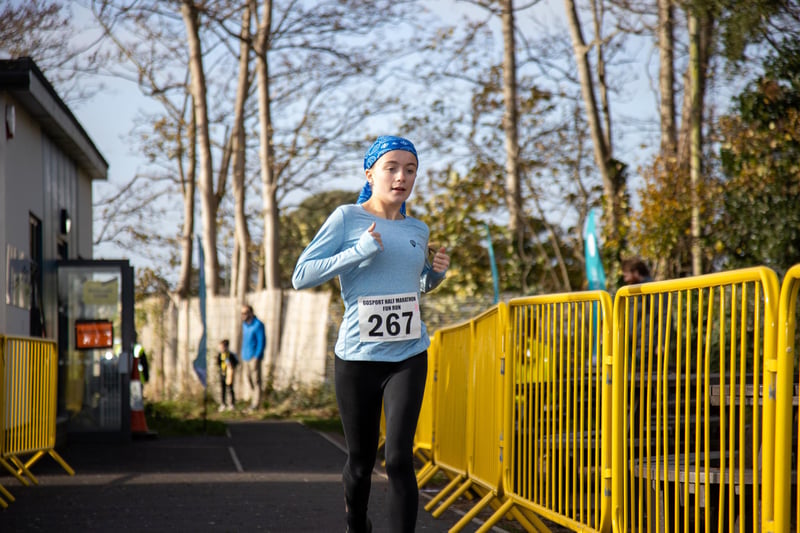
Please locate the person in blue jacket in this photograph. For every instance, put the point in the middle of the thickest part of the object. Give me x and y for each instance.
(380, 256)
(254, 340)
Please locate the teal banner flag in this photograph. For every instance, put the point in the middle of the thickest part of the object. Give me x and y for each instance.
(595, 275)
(493, 264)
(200, 365)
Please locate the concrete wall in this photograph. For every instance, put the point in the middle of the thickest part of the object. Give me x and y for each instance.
(170, 332)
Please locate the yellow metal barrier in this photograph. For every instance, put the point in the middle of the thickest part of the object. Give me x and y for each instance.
(694, 403)
(557, 454)
(786, 463)
(28, 379)
(450, 409)
(682, 423)
(484, 400)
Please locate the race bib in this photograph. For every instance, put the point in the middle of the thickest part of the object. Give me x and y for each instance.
(394, 317)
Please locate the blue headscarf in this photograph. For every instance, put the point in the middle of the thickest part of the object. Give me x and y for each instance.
(382, 145)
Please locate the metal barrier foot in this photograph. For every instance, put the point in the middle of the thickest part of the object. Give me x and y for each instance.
(7, 495)
(472, 513)
(453, 497)
(423, 454)
(442, 493)
(62, 462)
(426, 474)
(530, 523)
(22, 468)
(495, 518)
(13, 471)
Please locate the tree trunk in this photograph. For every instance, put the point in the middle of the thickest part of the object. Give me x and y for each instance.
(268, 177)
(700, 29)
(240, 264)
(206, 183)
(188, 180)
(269, 188)
(696, 140)
(510, 121)
(611, 171)
(602, 87)
(666, 79)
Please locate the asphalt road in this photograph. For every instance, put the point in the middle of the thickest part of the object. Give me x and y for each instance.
(272, 476)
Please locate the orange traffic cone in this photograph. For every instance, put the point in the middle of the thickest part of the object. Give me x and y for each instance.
(138, 423)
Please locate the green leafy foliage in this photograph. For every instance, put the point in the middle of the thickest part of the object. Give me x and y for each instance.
(149, 283)
(760, 221)
(744, 23)
(457, 210)
(463, 211)
(179, 418)
(660, 229)
(307, 403)
(300, 225)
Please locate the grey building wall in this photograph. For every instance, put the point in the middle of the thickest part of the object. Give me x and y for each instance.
(4, 102)
(23, 185)
(48, 166)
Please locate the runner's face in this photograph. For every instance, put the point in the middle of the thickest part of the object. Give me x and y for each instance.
(392, 176)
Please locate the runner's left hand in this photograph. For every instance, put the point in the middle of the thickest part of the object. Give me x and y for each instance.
(440, 260)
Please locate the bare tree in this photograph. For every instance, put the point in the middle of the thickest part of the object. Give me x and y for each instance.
(188, 180)
(240, 264)
(681, 152)
(37, 29)
(269, 183)
(200, 111)
(611, 170)
(701, 25)
(154, 52)
(510, 122)
(666, 78)
(696, 138)
(149, 52)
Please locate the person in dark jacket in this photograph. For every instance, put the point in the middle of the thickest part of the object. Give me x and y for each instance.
(227, 362)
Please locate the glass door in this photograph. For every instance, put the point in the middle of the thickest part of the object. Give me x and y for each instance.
(95, 337)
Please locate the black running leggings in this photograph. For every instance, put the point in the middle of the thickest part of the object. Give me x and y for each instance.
(360, 388)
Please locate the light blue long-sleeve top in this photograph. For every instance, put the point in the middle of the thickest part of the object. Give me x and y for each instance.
(343, 247)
